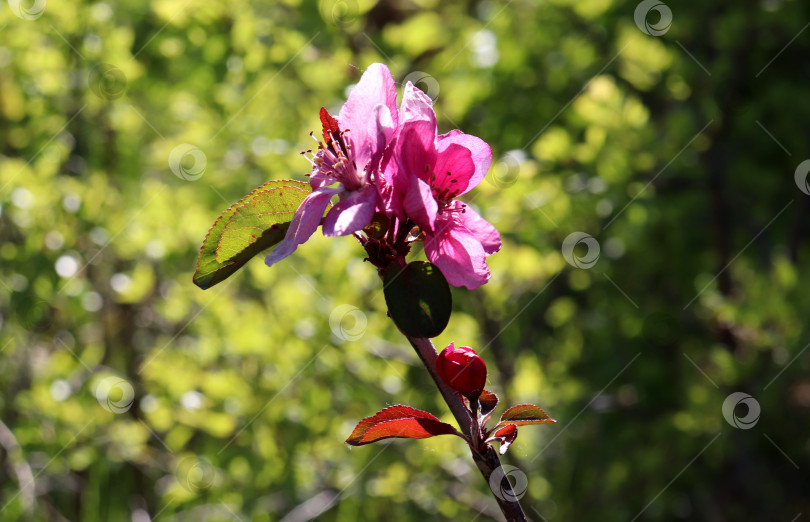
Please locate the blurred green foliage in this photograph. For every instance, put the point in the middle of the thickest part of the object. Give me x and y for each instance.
(675, 152)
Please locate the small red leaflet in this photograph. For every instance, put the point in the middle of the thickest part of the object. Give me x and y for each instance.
(398, 421)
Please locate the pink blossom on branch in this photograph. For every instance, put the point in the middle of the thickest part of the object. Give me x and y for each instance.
(379, 159)
(347, 164)
(428, 173)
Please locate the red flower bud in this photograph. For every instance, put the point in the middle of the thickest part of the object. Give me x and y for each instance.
(462, 369)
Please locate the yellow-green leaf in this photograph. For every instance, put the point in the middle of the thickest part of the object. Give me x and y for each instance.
(243, 242)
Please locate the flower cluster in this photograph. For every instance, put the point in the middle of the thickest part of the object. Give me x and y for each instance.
(389, 165)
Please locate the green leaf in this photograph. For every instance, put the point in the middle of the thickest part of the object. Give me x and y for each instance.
(258, 219)
(418, 298)
(255, 223)
(523, 414)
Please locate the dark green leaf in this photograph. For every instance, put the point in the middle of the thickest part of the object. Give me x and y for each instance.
(418, 298)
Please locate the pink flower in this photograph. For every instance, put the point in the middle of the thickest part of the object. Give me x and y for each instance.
(347, 164)
(429, 172)
(376, 158)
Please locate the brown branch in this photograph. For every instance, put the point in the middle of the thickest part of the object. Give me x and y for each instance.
(487, 458)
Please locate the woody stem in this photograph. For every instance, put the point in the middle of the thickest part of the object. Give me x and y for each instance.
(484, 455)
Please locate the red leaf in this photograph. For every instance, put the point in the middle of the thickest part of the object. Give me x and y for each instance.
(398, 421)
(505, 436)
(488, 401)
(523, 414)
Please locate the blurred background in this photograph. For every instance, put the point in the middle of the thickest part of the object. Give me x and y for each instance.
(650, 183)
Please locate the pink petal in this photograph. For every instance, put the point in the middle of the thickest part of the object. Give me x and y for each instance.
(482, 229)
(454, 168)
(388, 165)
(376, 87)
(458, 254)
(303, 224)
(420, 205)
(416, 105)
(480, 151)
(414, 152)
(320, 179)
(352, 213)
(381, 129)
(389, 201)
